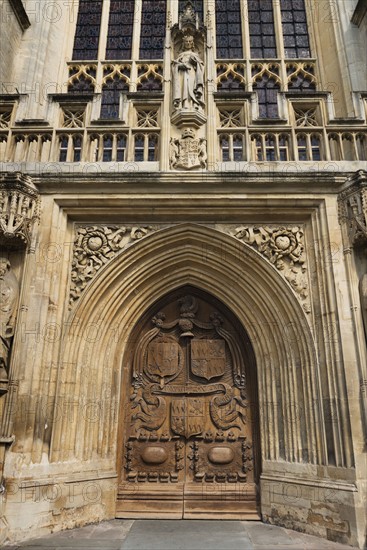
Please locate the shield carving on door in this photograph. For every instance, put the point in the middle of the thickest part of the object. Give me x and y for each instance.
(188, 445)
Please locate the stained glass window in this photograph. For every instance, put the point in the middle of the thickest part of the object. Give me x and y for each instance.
(228, 29)
(87, 30)
(153, 29)
(261, 27)
(198, 6)
(267, 91)
(295, 31)
(120, 29)
(111, 94)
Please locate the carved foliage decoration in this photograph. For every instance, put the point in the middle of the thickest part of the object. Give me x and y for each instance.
(284, 248)
(9, 296)
(353, 208)
(95, 246)
(19, 208)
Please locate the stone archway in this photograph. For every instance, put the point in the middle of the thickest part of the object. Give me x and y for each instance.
(291, 423)
(189, 436)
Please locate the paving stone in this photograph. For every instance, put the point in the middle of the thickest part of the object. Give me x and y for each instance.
(186, 534)
(178, 535)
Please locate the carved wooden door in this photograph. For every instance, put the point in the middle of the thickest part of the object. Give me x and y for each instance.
(188, 446)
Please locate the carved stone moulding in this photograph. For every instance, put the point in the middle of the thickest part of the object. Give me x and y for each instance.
(188, 119)
(353, 208)
(20, 205)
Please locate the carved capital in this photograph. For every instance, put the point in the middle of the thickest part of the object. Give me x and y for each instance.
(353, 208)
(19, 208)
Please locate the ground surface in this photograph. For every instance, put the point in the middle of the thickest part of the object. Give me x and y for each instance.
(178, 535)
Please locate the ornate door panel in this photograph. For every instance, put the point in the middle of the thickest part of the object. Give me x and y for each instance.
(188, 443)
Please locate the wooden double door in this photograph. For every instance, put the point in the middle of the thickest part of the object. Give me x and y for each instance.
(188, 447)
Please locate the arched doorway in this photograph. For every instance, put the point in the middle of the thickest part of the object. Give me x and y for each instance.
(189, 432)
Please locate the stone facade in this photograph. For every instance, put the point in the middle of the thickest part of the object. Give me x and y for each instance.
(189, 186)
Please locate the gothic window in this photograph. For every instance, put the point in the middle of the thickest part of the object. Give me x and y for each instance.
(120, 29)
(87, 30)
(228, 29)
(108, 147)
(77, 148)
(111, 95)
(63, 151)
(295, 31)
(139, 147)
(231, 146)
(146, 147)
(267, 91)
(153, 29)
(237, 141)
(309, 147)
(262, 30)
(120, 148)
(224, 147)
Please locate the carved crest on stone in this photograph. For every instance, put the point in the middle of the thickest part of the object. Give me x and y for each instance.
(188, 152)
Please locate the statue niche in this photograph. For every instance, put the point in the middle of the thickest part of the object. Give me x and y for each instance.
(9, 296)
(188, 82)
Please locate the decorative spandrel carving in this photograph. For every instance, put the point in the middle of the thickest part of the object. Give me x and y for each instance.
(283, 247)
(95, 246)
(20, 205)
(188, 152)
(188, 399)
(9, 297)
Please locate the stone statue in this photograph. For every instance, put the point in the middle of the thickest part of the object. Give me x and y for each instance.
(174, 152)
(202, 153)
(363, 294)
(9, 296)
(188, 78)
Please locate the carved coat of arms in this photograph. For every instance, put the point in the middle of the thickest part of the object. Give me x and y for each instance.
(163, 360)
(188, 152)
(208, 358)
(187, 416)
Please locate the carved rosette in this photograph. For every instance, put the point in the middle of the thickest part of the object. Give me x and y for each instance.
(284, 248)
(95, 246)
(20, 205)
(353, 208)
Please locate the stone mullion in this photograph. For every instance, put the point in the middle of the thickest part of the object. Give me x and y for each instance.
(104, 31)
(211, 129)
(326, 144)
(166, 105)
(245, 35)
